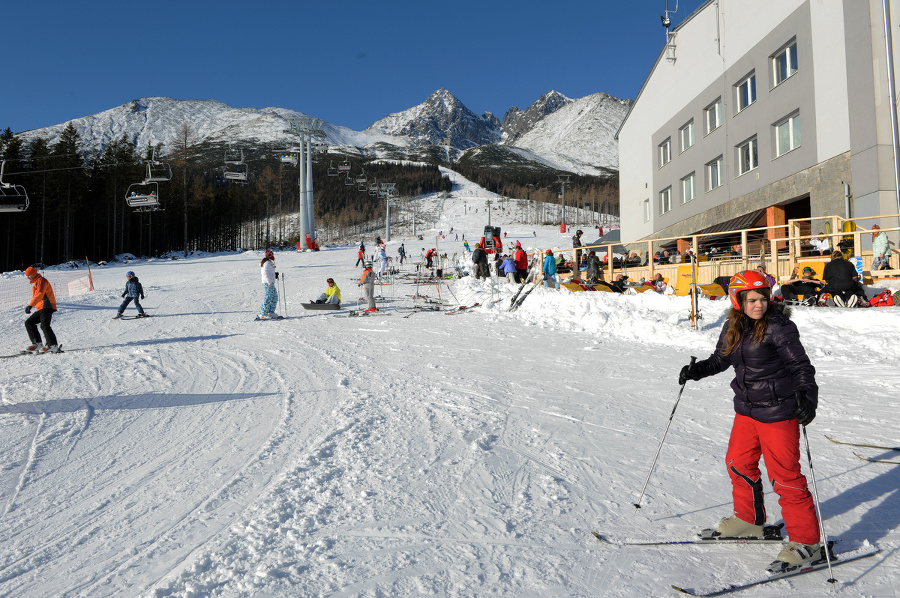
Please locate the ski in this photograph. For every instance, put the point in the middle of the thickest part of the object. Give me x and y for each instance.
(771, 535)
(836, 559)
(20, 353)
(871, 446)
(874, 460)
(361, 314)
(275, 319)
(461, 308)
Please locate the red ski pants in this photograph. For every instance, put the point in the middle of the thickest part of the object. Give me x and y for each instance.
(779, 445)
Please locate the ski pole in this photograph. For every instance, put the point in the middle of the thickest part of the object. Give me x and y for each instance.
(663, 439)
(283, 296)
(812, 474)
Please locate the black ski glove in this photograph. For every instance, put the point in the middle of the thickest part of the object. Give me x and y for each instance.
(27, 309)
(142, 297)
(805, 411)
(276, 276)
(689, 372)
(123, 295)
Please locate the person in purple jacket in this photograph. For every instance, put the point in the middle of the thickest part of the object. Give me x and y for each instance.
(775, 392)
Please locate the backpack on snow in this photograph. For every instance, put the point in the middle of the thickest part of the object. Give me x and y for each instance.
(883, 299)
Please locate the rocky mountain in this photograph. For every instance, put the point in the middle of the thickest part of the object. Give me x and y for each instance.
(441, 117)
(579, 136)
(555, 132)
(517, 122)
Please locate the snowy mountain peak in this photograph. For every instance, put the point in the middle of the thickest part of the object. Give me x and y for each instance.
(439, 117)
(517, 122)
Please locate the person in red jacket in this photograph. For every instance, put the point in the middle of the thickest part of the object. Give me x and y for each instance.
(775, 393)
(521, 260)
(44, 302)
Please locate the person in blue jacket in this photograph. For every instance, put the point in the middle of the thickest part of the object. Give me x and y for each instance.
(549, 270)
(133, 291)
(508, 265)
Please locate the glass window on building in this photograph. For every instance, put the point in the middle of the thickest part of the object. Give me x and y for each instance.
(747, 156)
(665, 152)
(746, 92)
(714, 171)
(713, 116)
(688, 190)
(647, 210)
(665, 200)
(687, 135)
(787, 135)
(784, 64)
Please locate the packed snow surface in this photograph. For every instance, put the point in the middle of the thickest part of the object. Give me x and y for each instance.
(202, 453)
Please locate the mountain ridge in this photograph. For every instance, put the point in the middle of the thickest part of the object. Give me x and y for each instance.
(574, 135)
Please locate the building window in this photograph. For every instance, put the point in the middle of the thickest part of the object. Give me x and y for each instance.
(713, 116)
(714, 173)
(687, 135)
(748, 156)
(647, 210)
(746, 92)
(665, 152)
(787, 135)
(665, 200)
(784, 64)
(688, 190)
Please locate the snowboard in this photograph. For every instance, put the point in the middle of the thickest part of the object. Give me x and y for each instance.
(322, 306)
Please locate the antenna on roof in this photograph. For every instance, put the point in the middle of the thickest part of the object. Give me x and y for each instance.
(670, 35)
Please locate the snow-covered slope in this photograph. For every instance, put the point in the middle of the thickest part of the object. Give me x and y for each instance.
(199, 453)
(579, 136)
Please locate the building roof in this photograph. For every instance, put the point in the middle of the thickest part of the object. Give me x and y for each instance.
(653, 68)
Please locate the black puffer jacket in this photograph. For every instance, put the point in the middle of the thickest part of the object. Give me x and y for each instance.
(766, 375)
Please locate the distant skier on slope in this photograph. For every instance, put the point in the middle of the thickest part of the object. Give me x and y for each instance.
(270, 297)
(382, 258)
(775, 392)
(44, 300)
(134, 291)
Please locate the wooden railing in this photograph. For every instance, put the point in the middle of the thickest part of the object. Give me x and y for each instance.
(790, 245)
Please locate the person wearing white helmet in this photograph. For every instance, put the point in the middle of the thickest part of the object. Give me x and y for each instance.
(367, 282)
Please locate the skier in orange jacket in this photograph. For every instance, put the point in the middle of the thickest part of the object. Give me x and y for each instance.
(44, 301)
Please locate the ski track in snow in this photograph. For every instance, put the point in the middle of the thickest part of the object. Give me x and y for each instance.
(200, 453)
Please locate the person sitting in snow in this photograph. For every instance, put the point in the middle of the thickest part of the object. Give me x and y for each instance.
(658, 284)
(331, 295)
(133, 291)
(806, 285)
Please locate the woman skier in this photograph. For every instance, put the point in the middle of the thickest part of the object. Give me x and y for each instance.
(270, 297)
(775, 392)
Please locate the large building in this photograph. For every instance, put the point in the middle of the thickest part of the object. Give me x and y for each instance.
(760, 111)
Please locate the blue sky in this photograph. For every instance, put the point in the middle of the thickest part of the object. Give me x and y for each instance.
(348, 62)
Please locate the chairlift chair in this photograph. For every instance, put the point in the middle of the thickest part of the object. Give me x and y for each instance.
(234, 156)
(238, 174)
(332, 171)
(143, 196)
(289, 157)
(373, 189)
(361, 177)
(344, 166)
(349, 181)
(13, 198)
(158, 172)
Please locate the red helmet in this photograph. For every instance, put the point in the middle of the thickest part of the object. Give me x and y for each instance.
(270, 254)
(549, 252)
(748, 280)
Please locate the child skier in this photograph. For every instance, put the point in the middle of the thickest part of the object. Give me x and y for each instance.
(133, 291)
(367, 282)
(775, 393)
(44, 300)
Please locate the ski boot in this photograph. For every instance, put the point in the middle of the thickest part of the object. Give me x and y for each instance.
(794, 555)
(733, 527)
(117, 316)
